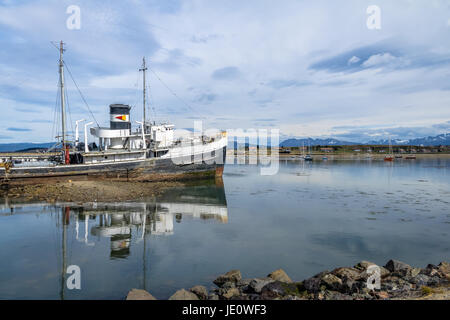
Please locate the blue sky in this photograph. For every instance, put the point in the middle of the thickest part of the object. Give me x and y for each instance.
(309, 68)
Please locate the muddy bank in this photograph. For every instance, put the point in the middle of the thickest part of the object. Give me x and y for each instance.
(88, 191)
(398, 281)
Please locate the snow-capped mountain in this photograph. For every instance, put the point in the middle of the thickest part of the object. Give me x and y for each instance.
(442, 139)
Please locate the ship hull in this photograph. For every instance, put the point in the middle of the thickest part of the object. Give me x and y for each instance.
(153, 169)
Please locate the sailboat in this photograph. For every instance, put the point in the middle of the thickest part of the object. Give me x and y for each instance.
(308, 157)
(390, 155)
(410, 156)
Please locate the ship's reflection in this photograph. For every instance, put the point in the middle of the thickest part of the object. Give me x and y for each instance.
(155, 217)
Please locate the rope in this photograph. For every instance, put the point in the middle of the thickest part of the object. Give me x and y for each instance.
(79, 91)
(171, 91)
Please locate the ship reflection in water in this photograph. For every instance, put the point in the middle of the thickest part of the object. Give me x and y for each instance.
(116, 221)
(118, 246)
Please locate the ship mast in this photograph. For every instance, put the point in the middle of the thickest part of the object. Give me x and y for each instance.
(143, 69)
(63, 101)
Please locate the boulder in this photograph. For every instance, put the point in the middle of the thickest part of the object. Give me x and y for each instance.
(137, 294)
(420, 280)
(312, 284)
(280, 275)
(200, 291)
(256, 285)
(278, 289)
(347, 273)
(229, 293)
(363, 265)
(243, 283)
(183, 295)
(231, 276)
(397, 266)
(444, 267)
(331, 282)
(213, 296)
(228, 285)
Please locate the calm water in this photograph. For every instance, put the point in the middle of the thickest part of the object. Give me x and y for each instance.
(307, 218)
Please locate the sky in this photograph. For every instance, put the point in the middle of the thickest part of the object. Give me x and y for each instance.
(307, 68)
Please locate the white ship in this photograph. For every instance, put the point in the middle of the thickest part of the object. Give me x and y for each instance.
(148, 153)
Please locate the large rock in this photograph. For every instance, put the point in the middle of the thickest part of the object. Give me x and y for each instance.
(313, 284)
(230, 293)
(420, 280)
(347, 273)
(364, 265)
(278, 289)
(256, 285)
(138, 294)
(331, 282)
(280, 275)
(200, 291)
(230, 276)
(183, 295)
(398, 266)
(444, 267)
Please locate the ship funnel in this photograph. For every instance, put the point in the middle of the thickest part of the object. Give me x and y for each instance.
(120, 116)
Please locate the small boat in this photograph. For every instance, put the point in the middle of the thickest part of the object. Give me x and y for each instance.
(411, 157)
(308, 157)
(398, 156)
(284, 151)
(324, 158)
(390, 156)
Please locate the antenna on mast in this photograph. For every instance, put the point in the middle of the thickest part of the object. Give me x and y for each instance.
(143, 69)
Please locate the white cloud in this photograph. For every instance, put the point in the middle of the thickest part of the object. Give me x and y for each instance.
(353, 60)
(383, 59)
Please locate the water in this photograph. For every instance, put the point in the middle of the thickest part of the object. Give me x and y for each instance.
(307, 218)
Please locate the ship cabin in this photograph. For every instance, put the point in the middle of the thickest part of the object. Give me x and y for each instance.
(120, 143)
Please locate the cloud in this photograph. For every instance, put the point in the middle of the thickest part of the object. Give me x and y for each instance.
(353, 60)
(227, 73)
(206, 98)
(383, 59)
(279, 83)
(18, 129)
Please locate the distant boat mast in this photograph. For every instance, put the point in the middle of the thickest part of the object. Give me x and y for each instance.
(143, 69)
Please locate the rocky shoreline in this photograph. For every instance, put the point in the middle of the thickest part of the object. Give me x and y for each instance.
(398, 281)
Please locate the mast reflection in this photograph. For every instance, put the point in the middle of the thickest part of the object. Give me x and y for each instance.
(118, 220)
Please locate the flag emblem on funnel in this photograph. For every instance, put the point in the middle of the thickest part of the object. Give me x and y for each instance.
(123, 118)
(120, 117)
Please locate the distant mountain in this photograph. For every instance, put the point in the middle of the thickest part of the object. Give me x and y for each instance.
(315, 142)
(442, 139)
(13, 147)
